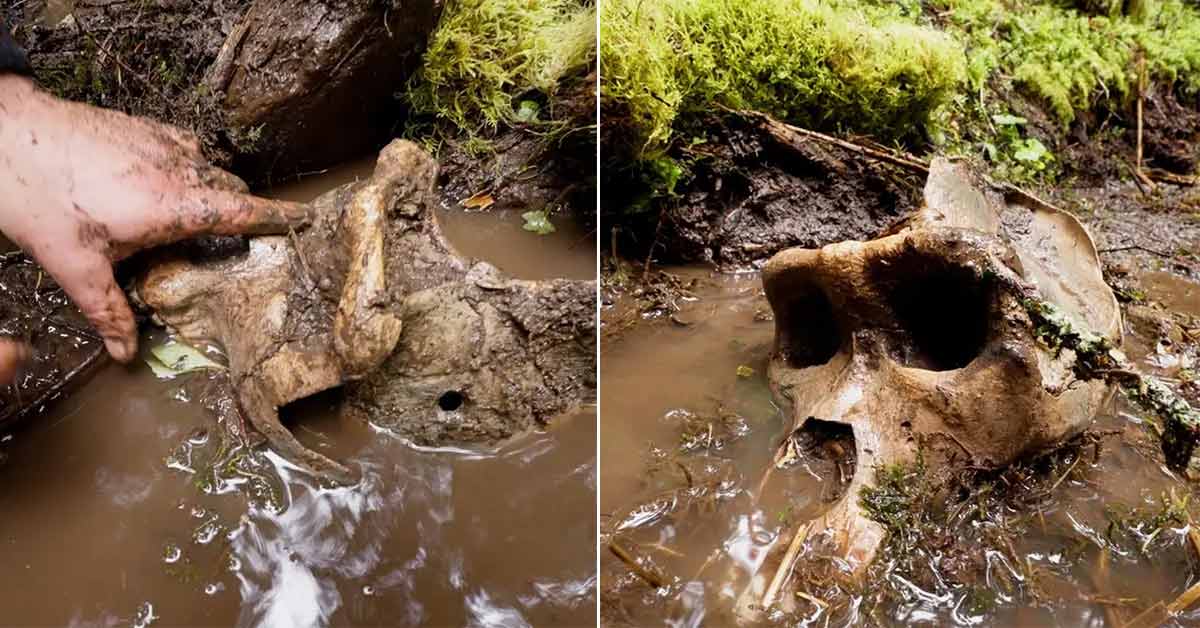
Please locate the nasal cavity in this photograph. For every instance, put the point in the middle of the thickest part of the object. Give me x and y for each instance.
(943, 310)
(808, 333)
(450, 400)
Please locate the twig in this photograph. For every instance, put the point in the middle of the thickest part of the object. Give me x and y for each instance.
(793, 136)
(650, 577)
(1148, 617)
(1078, 457)
(1170, 177)
(1137, 164)
(785, 567)
(1185, 599)
(653, 243)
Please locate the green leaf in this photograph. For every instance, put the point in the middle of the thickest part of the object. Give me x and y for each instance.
(1007, 119)
(1031, 150)
(538, 223)
(527, 111)
(745, 371)
(991, 151)
(175, 358)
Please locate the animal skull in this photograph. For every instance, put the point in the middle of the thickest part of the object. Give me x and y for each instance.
(912, 341)
(429, 344)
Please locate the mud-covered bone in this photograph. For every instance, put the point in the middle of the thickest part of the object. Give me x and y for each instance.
(913, 340)
(434, 346)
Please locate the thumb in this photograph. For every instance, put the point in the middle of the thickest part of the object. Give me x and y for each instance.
(13, 355)
(88, 279)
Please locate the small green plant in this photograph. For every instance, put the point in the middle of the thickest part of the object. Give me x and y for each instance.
(1016, 157)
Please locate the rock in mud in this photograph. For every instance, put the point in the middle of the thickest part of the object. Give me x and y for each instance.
(915, 342)
(430, 345)
(310, 83)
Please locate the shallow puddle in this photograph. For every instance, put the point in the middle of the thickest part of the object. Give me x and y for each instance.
(687, 499)
(113, 516)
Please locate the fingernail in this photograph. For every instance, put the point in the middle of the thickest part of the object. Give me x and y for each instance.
(120, 350)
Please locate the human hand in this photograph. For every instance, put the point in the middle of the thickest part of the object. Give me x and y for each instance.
(82, 187)
(13, 355)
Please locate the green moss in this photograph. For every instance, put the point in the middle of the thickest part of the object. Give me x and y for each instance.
(1071, 60)
(813, 63)
(487, 54)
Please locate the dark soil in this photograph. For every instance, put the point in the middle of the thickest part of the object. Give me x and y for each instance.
(143, 58)
(528, 169)
(749, 197)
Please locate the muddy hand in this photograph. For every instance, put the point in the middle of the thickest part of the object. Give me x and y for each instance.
(82, 187)
(14, 354)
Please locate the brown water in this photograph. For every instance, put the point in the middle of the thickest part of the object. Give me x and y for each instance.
(112, 514)
(690, 505)
(496, 235)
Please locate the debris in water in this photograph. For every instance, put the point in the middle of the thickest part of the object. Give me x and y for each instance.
(538, 223)
(175, 358)
(479, 200)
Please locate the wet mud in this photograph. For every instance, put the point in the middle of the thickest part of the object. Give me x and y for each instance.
(1096, 533)
(128, 506)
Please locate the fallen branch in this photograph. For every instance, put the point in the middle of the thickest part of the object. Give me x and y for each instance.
(794, 136)
(1172, 178)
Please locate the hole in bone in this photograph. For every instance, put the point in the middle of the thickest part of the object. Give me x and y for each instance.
(450, 400)
(312, 408)
(831, 450)
(808, 334)
(942, 310)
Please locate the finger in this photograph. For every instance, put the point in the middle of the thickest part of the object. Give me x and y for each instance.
(88, 279)
(204, 175)
(14, 354)
(187, 140)
(206, 211)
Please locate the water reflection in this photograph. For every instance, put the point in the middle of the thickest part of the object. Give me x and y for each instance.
(419, 531)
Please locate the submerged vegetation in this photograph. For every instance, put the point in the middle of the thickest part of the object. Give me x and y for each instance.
(492, 63)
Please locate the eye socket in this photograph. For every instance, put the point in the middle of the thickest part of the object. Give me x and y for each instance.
(943, 310)
(807, 333)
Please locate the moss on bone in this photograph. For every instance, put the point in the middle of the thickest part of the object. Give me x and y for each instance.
(1097, 358)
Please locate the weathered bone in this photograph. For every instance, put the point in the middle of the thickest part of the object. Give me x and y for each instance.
(913, 341)
(432, 345)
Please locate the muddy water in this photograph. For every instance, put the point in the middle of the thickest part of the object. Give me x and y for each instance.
(120, 508)
(496, 235)
(705, 531)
